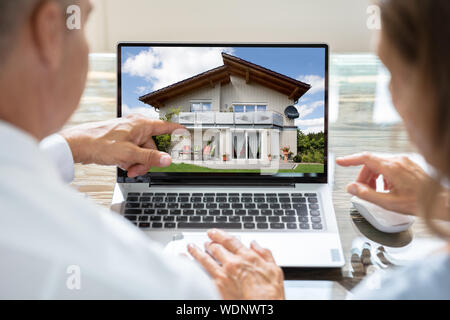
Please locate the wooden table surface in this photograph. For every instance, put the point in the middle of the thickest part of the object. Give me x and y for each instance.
(361, 119)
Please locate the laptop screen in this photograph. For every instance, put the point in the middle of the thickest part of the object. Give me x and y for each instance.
(249, 111)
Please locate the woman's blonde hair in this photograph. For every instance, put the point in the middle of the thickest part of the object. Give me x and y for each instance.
(420, 31)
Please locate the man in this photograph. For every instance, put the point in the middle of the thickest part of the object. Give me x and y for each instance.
(53, 242)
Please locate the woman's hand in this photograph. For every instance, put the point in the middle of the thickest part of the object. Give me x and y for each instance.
(240, 272)
(402, 178)
(125, 142)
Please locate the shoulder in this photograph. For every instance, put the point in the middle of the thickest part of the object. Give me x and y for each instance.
(425, 279)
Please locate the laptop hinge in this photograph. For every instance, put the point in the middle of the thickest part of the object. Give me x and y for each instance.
(223, 183)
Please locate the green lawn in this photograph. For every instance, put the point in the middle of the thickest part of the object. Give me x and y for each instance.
(183, 167)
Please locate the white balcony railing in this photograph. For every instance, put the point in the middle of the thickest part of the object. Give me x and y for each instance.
(230, 118)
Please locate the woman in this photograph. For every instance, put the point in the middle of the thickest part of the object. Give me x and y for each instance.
(414, 45)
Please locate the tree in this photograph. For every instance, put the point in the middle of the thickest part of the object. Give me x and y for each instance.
(163, 142)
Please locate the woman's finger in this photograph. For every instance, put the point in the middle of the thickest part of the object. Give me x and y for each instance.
(264, 253)
(374, 163)
(229, 242)
(205, 260)
(218, 252)
(364, 192)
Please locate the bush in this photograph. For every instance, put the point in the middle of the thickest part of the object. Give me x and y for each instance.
(298, 158)
(163, 142)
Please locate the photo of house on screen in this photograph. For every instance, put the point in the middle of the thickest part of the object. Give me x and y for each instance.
(242, 110)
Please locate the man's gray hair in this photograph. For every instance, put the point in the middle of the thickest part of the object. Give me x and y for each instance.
(13, 13)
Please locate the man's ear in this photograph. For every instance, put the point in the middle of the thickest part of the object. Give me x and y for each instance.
(48, 28)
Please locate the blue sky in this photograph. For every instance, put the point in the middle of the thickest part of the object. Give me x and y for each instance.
(146, 69)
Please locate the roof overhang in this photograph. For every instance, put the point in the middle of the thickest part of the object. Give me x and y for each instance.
(251, 72)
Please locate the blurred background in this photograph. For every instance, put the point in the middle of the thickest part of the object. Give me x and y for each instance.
(341, 24)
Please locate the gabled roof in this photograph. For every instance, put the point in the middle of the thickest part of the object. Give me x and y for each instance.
(251, 72)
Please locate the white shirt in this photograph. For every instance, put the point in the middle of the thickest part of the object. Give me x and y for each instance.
(426, 279)
(56, 244)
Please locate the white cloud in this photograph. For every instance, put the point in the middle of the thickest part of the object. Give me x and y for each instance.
(317, 82)
(149, 112)
(306, 109)
(311, 125)
(141, 90)
(163, 66)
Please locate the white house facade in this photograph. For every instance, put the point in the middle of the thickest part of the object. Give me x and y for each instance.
(239, 111)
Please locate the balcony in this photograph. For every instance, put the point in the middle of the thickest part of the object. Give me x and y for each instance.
(229, 118)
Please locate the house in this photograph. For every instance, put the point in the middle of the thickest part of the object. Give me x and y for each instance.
(243, 111)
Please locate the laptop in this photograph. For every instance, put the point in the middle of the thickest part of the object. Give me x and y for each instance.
(252, 156)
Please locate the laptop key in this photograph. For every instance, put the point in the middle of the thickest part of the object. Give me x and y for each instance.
(221, 219)
(182, 218)
(312, 200)
(172, 205)
(209, 225)
(279, 212)
(147, 194)
(227, 212)
(296, 194)
(214, 212)
(263, 206)
(143, 218)
(274, 219)
(237, 205)
(199, 205)
(155, 218)
(286, 206)
(160, 205)
(133, 211)
(316, 220)
(317, 226)
(211, 205)
(266, 212)
(249, 225)
(162, 211)
(224, 205)
(246, 200)
(188, 212)
(221, 199)
(314, 213)
(131, 218)
(149, 211)
(250, 206)
(291, 225)
(304, 225)
(208, 219)
(301, 209)
(240, 212)
(147, 205)
(262, 225)
(183, 199)
(201, 212)
(234, 219)
(275, 206)
(186, 205)
(195, 219)
(144, 199)
(157, 225)
(303, 219)
(260, 219)
(314, 206)
(169, 218)
(288, 219)
(248, 219)
(132, 198)
(277, 225)
(289, 212)
(253, 212)
(132, 205)
(259, 200)
(144, 225)
(310, 194)
(134, 194)
(170, 225)
(298, 200)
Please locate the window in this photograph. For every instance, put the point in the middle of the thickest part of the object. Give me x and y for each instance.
(249, 107)
(201, 106)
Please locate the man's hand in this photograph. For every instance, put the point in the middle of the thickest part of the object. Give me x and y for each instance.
(243, 273)
(125, 142)
(402, 178)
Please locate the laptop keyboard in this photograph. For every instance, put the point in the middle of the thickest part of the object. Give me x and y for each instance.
(237, 211)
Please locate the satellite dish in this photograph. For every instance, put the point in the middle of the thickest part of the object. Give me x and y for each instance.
(291, 112)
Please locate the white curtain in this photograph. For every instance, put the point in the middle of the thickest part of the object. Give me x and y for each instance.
(253, 143)
(239, 145)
